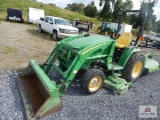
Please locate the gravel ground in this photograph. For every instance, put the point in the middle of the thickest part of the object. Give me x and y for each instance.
(76, 106)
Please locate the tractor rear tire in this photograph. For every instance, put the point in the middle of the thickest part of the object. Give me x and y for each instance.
(134, 67)
(92, 81)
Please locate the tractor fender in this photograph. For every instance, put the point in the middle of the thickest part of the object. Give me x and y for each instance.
(126, 55)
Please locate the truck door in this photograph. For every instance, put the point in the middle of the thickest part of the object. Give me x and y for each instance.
(45, 24)
(50, 25)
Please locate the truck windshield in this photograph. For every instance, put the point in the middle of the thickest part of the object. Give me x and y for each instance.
(62, 22)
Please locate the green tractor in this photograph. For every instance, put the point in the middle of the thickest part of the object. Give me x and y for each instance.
(105, 28)
(97, 60)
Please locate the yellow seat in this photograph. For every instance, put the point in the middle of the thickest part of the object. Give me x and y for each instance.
(124, 40)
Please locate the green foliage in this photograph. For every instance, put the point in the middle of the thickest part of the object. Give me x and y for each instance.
(106, 12)
(76, 7)
(100, 3)
(91, 10)
(134, 32)
(132, 19)
(117, 10)
(158, 26)
(112, 9)
(148, 5)
(50, 9)
(128, 5)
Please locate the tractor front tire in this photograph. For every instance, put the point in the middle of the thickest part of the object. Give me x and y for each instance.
(134, 67)
(106, 33)
(99, 31)
(92, 81)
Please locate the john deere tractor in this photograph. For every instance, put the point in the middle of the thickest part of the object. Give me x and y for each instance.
(96, 60)
(105, 28)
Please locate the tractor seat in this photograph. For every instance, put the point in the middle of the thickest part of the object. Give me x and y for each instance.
(124, 40)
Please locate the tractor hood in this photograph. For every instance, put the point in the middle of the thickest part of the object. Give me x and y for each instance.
(88, 41)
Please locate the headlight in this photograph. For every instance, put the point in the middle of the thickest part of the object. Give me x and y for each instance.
(61, 30)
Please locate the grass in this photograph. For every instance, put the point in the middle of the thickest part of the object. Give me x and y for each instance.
(37, 46)
(133, 38)
(48, 36)
(9, 49)
(49, 10)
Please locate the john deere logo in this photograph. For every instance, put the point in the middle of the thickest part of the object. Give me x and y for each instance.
(148, 111)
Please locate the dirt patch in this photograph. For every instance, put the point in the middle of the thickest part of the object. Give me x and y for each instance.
(20, 42)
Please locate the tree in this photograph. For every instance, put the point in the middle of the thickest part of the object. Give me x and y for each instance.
(106, 11)
(119, 7)
(158, 26)
(128, 5)
(100, 4)
(132, 19)
(91, 10)
(112, 9)
(76, 7)
(148, 5)
(51, 4)
(117, 10)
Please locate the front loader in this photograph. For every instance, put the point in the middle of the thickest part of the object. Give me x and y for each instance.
(96, 60)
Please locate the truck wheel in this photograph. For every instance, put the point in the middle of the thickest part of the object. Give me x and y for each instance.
(55, 37)
(134, 67)
(99, 30)
(22, 20)
(92, 81)
(40, 29)
(7, 18)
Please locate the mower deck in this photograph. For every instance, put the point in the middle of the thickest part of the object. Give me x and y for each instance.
(117, 84)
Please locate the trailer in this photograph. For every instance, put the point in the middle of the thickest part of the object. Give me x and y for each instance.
(35, 14)
(14, 15)
(82, 25)
(152, 40)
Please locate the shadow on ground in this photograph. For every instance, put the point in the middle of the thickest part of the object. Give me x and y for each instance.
(43, 36)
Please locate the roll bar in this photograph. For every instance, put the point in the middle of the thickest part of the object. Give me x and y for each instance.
(141, 27)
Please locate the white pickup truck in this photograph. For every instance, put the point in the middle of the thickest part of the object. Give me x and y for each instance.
(58, 27)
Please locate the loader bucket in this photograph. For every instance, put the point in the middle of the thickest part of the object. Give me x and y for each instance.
(40, 95)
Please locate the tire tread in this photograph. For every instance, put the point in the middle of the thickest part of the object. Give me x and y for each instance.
(126, 72)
